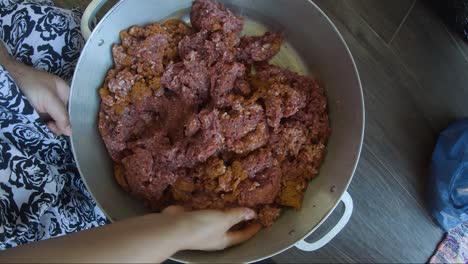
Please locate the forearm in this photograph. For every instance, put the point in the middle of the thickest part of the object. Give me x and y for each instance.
(151, 238)
(3, 53)
(14, 68)
(6, 59)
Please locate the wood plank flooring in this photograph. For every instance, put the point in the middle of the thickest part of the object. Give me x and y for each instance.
(438, 65)
(414, 74)
(384, 23)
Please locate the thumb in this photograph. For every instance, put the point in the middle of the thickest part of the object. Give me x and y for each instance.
(238, 215)
(57, 111)
(173, 210)
(63, 90)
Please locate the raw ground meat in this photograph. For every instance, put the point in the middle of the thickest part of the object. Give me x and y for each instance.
(122, 83)
(211, 47)
(259, 48)
(189, 79)
(282, 101)
(223, 79)
(213, 16)
(121, 58)
(250, 142)
(258, 161)
(261, 190)
(186, 120)
(244, 118)
(267, 215)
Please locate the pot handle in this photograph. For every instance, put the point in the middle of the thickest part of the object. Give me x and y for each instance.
(348, 210)
(89, 15)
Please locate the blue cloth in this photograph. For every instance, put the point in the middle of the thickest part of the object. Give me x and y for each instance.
(448, 185)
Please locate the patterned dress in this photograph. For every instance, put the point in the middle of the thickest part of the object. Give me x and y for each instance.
(41, 192)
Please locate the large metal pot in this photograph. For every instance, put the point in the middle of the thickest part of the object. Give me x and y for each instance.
(314, 45)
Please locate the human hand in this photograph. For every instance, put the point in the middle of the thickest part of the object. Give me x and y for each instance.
(47, 93)
(208, 230)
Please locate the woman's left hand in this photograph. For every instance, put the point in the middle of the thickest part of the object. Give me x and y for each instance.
(209, 230)
(47, 93)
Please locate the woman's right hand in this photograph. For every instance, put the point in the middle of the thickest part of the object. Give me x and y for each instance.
(47, 93)
(208, 230)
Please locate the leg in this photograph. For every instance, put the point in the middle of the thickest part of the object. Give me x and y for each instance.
(41, 193)
(42, 35)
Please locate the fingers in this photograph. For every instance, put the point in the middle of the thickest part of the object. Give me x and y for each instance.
(51, 125)
(239, 237)
(59, 114)
(63, 90)
(173, 210)
(238, 215)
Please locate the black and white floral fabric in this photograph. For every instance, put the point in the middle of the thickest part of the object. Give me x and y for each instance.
(41, 193)
(42, 35)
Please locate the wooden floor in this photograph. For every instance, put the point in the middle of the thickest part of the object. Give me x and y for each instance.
(415, 77)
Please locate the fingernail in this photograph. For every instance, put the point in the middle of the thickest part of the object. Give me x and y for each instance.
(249, 214)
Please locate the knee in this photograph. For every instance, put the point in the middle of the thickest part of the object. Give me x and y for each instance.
(43, 36)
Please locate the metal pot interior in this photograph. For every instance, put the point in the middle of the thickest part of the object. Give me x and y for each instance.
(314, 46)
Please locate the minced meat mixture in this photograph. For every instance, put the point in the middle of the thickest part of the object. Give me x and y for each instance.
(197, 116)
